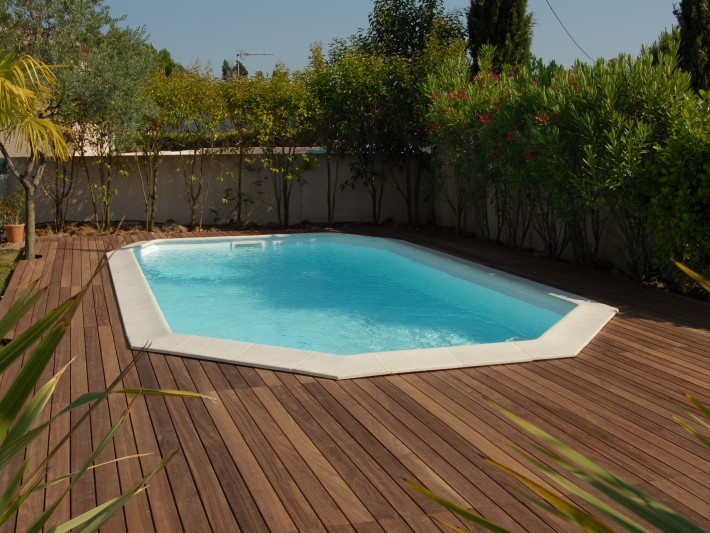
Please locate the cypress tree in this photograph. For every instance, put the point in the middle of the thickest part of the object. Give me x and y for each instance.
(505, 24)
(694, 52)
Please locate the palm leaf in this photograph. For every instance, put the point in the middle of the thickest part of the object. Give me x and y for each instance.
(465, 513)
(94, 519)
(705, 284)
(24, 302)
(42, 519)
(24, 383)
(630, 497)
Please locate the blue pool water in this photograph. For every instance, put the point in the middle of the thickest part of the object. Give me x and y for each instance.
(339, 294)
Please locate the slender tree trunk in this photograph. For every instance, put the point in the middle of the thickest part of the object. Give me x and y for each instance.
(329, 193)
(30, 216)
(29, 178)
(239, 187)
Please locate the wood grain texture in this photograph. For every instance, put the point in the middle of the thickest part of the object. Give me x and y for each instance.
(273, 451)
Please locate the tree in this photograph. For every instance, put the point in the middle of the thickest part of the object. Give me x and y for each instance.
(361, 82)
(99, 96)
(53, 31)
(229, 71)
(27, 90)
(403, 27)
(404, 34)
(104, 103)
(193, 110)
(694, 54)
(166, 62)
(237, 94)
(667, 43)
(283, 122)
(504, 24)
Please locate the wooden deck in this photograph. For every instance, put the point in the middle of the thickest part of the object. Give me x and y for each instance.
(282, 452)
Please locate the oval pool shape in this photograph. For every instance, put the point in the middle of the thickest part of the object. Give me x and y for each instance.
(339, 306)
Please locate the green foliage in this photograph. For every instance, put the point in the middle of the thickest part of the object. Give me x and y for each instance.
(360, 82)
(694, 24)
(104, 103)
(580, 470)
(229, 71)
(27, 89)
(403, 27)
(237, 96)
(100, 89)
(410, 36)
(504, 24)
(284, 111)
(190, 103)
(683, 195)
(166, 64)
(54, 31)
(668, 42)
(21, 420)
(12, 208)
(556, 151)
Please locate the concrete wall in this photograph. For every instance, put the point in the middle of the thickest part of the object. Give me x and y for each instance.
(308, 202)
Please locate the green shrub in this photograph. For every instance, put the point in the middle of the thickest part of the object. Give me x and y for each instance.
(557, 151)
(680, 220)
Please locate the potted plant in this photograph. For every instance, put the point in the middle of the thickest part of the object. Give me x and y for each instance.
(12, 213)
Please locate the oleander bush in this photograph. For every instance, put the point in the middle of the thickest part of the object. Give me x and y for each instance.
(680, 207)
(569, 154)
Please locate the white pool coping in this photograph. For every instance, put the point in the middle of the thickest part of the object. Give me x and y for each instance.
(146, 328)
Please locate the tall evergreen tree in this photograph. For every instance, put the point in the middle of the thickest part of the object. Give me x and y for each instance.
(402, 27)
(694, 53)
(505, 24)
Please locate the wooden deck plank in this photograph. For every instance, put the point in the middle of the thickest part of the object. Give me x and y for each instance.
(382, 494)
(206, 479)
(460, 453)
(231, 481)
(281, 452)
(193, 516)
(301, 513)
(318, 498)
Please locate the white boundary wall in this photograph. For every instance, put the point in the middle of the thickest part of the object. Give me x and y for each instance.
(308, 202)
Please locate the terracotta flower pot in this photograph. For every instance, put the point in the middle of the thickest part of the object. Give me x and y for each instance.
(15, 232)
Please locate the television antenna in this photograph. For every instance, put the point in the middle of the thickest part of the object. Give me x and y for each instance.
(241, 54)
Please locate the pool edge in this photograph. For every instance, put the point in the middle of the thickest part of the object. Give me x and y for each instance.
(146, 328)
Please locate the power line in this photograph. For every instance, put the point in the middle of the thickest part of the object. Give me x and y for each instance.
(567, 32)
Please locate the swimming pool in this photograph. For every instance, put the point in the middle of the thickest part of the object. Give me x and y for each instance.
(339, 306)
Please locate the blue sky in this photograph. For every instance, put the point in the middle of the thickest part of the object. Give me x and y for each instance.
(214, 30)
